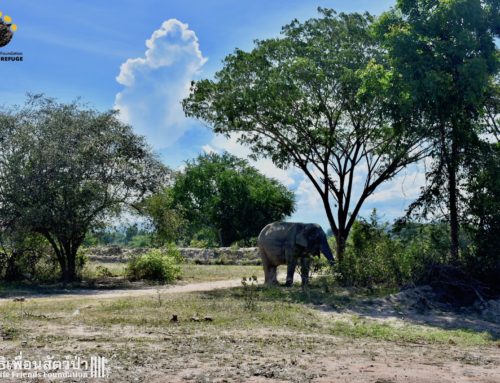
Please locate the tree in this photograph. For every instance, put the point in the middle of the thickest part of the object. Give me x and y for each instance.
(444, 53)
(64, 168)
(225, 198)
(483, 213)
(168, 221)
(20, 252)
(317, 98)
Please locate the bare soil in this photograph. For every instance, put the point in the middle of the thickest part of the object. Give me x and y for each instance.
(197, 353)
(124, 293)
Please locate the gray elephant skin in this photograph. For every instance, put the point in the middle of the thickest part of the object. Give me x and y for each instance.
(290, 243)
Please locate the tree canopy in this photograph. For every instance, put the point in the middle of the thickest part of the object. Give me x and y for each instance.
(443, 53)
(221, 199)
(64, 168)
(316, 98)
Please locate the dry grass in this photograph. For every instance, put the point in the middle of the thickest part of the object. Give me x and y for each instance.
(283, 338)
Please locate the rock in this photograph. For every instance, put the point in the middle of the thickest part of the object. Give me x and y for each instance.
(208, 319)
(174, 318)
(221, 255)
(20, 299)
(195, 319)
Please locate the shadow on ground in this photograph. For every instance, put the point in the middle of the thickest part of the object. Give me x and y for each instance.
(417, 305)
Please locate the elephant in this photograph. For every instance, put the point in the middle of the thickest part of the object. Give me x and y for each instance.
(287, 243)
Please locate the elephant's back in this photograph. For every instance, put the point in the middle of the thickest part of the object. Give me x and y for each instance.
(275, 230)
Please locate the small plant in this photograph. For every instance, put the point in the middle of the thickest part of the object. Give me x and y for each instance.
(250, 292)
(81, 260)
(199, 243)
(223, 259)
(158, 294)
(103, 272)
(161, 265)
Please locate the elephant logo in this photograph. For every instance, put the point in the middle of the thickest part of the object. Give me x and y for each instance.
(7, 29)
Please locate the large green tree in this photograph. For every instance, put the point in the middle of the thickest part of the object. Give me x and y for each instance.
(64, 168)
(222, 197)
(444, 54)
(482, 213)
(316, 98)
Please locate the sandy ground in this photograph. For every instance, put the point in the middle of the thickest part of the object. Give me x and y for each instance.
(266, 356)
(121, 293)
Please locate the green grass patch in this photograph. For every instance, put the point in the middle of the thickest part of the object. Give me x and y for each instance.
(279, 308)
(192, 273)
(357, 327)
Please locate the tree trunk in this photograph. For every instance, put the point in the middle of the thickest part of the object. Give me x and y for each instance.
(66, 256)
(453, 202)
(340, 242)
(69, 253)
(12, 272)
(454, 225)
(64, 269)
(72, 265)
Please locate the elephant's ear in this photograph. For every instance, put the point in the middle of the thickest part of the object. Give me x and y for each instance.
(300, 237)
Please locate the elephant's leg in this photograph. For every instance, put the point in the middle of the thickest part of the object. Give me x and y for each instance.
(273, 274)
(268, 268)
(291, 265)
(304, 270)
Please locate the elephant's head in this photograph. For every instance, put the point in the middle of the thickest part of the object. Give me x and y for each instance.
(312, 238)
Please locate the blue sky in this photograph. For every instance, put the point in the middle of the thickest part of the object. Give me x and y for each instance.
(97, 50)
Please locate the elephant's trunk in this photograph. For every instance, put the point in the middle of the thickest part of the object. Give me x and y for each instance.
(325, 249)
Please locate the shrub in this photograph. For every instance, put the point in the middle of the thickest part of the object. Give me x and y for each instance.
(161, 265)
(401, 255)
(200, 243)
(103, 272)
(250, 242)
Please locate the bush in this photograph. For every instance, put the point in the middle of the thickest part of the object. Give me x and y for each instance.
(25, 256)
(200, 243)
(370, 256)
(161, 265)
(250, 242)
(103, 272)
(377, 255)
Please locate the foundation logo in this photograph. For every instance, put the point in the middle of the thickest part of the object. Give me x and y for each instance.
(7, 29)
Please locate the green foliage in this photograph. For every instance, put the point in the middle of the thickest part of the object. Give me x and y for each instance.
(160, 265)
(315, 98)
(199, 243)
(103, 272)
(250, 292)
(377, 255)
(483, 215)
(65, 168)
(219, 199)
(444, 58)
(372, 257)
(130, 236)
(26, 256)
(248, 242)
(167, 220)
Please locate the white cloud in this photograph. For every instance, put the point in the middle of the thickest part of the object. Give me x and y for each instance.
(155, 84)
(308, 198)
(265, 166)
(403, 187)
(208, 149)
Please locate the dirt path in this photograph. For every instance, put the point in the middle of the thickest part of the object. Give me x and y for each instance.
(105, 294)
